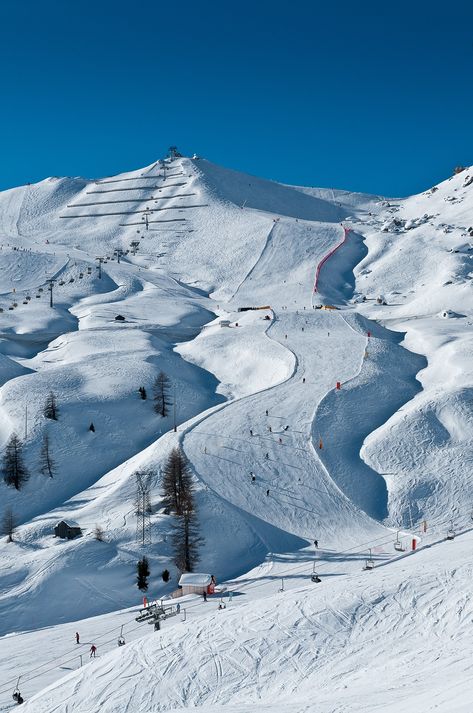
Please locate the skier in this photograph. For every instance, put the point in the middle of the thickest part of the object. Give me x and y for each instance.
(204, 594)
(253, 477)
(251, 432)
(270, 429)
(267, 456)
(286, 428)
(77, 638)
(178, 608)
(316, 543)
(280, 440)
(303, 379)
(267, 493)
(267, 414)
(93, 649)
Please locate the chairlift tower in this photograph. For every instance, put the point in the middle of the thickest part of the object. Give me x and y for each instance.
(100, 261)
(145, 216)
(50, 289)
(143, 507)
(118, 252)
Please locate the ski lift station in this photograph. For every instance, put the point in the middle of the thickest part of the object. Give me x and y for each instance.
(67, 530)
(196, 583)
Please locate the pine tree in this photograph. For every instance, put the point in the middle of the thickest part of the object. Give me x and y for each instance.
(143, 393)
(178, 492)
(176, 482)
(165, 574)
(92, 427)
(47, 465)
(9, 524)
(99, 533)
(161, 389)
(14, 470)
(50, 407)
(142, 573)
(186, 541)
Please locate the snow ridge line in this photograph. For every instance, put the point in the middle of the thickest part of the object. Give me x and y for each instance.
(328, 255)
(265, 246)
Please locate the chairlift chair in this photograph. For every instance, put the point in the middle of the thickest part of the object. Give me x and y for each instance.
(369, 564)
(398, 544)
(451, 535)
(314, 576)
(121, 641)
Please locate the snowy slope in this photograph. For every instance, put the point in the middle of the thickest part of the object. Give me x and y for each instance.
(346, 466)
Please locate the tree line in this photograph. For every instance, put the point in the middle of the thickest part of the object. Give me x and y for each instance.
(13, 468)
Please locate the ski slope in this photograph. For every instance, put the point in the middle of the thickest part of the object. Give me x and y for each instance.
(280, 455)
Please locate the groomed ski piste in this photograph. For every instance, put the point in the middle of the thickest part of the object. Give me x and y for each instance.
(341, 412)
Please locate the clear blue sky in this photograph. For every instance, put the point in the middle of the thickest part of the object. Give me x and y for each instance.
(367, 96)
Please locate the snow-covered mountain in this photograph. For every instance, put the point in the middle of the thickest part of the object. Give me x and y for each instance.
(280, 455)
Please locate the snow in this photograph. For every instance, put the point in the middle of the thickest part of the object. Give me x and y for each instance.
(280, 456)
(194, 579)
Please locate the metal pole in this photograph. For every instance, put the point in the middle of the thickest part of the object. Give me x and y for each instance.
(80, 660)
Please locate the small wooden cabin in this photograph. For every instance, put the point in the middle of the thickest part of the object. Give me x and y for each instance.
(196, 583)
(67, 530)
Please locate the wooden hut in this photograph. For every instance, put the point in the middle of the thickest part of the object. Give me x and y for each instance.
(196, 583)
(67, 530)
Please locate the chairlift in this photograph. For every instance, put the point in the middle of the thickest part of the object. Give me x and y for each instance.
(71, 280)
(38, 296)
(121, 638)
(369, 563)
(451, 535)
(25, 302)
(398, 546)
(62, 283)
(314, 576)
(40, 289)
(28, 297)
(16, 695)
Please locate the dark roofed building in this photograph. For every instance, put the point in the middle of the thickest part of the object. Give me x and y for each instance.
(67, 530)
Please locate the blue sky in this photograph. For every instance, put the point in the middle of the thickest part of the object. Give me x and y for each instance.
(366, 96)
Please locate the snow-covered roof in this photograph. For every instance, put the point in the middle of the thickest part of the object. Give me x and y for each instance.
(70, 523)
(195, 579)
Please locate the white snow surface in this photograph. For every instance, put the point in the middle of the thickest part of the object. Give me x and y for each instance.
(280, 456)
